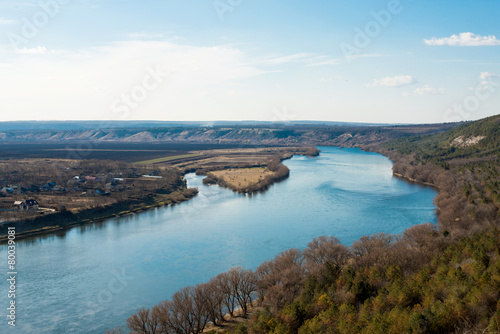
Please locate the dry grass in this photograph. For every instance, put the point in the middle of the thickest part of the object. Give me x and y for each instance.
(231, 322)
(242, 177)
(166, 159)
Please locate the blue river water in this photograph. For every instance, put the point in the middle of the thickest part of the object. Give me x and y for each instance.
(90, 279)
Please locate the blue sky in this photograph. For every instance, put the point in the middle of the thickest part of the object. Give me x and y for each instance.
(359, 61)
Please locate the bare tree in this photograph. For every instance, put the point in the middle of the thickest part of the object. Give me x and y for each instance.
(214, 301)
(144, 322)
(249, 286)
(323, 250)
(167, 322)
(373, 250)
(281, 278)
(118, 330)
(418, 245)
(243, 284)
(186, 313)
(224, 283)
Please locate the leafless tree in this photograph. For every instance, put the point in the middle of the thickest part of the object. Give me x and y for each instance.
(144, 322)
(118, 330)
(214, 301)
(224, 283)
(243, 284)
(373, 250)
(187, 312)
(281, 278)
(323, 250)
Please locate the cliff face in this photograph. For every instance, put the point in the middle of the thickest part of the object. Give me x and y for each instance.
(279, 135)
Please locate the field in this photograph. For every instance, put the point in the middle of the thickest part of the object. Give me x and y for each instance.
(166, 159)
(242, 177)
(127, 152)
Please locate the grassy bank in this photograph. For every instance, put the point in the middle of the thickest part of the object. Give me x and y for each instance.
(247, 178)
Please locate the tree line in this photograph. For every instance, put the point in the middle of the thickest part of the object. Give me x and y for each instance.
(278, 282)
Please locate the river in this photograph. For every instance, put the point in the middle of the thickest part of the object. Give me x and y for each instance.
(90, 279)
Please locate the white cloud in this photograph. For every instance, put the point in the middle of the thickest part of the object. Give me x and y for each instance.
(83, 84)
(488, 80)
(366, 55)
(309, 59)
(146, 35)
(395, 81)
(464, 39)
(428, 90)
(4, 20)
(33, 51)
(488, 76)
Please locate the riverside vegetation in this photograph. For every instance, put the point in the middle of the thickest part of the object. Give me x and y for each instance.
(430, 279)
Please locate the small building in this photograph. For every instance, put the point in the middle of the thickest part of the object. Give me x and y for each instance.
(7, 190)
(18, 205)
(30, 204)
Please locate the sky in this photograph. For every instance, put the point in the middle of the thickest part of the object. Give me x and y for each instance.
(375, 61)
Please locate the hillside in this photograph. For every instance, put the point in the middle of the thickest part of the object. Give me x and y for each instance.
(271, 134)
(468, 143)
(464, 164)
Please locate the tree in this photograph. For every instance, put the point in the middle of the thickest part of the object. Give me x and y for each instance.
(144, 322)
(214, 301)
(188, 310)
(229, 297)
(281, 278)
(243, 284)
(373, 250)
(323, 250)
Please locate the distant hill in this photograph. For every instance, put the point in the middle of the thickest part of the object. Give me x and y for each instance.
(107, 124)
(253, 133)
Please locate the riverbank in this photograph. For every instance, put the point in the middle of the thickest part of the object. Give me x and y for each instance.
(66, 220)
(409, 179)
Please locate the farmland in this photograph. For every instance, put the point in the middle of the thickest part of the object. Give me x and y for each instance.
(126, 152)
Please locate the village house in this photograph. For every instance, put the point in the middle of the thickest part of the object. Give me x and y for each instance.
(29, 204)
(7, 190)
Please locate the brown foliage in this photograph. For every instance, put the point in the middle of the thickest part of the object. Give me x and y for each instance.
(281, 279)
(324, 250)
